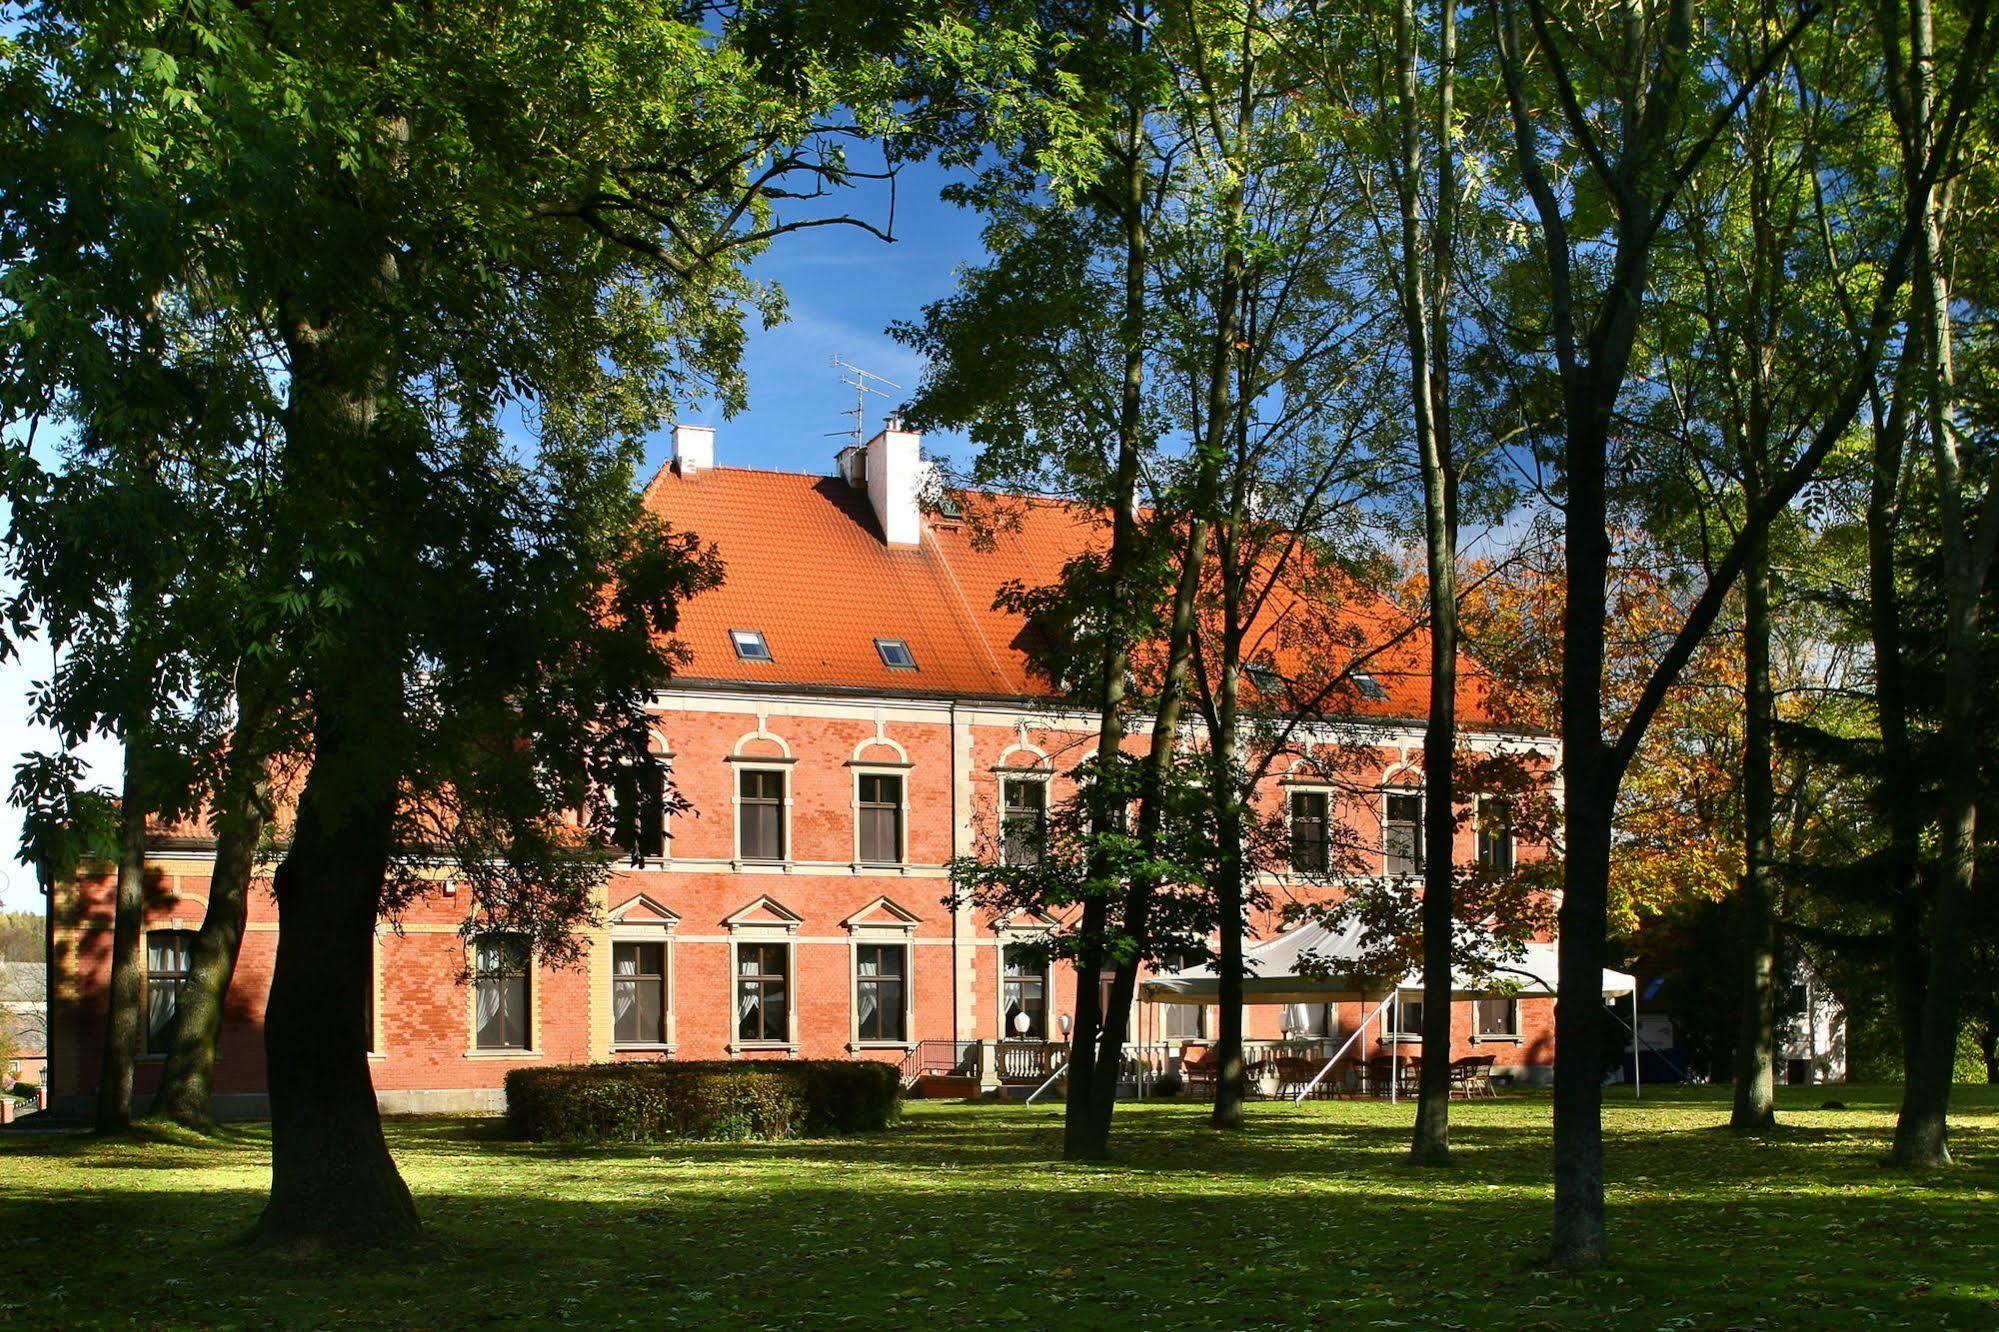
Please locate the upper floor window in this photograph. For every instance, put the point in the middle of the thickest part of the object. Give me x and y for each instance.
(638, 811)
(880, 833)
(895, 654)
(1369, 687)
(760, 814)
(500, 992)
(1023, 820)
(1495, 833)
(169, 959)
(1266, 679)
(638, 993)
(750, 644)
(1402, 832)
(1310, 831)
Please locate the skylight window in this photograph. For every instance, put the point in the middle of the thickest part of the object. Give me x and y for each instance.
(895, 654)
(750, 645)
(1369, 687)
(1265, 677)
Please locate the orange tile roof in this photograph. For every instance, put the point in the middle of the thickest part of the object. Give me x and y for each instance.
(805, 563)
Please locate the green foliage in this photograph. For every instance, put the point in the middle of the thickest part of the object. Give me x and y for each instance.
(713, 1100)
(21, 936)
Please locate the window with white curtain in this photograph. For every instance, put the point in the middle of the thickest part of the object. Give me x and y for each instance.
(763, 974)
(169, 957)
(881, 972)
(1024, 990)
(500, 992)
(638, 993)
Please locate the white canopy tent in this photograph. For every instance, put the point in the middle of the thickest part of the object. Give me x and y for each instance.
(1313, 964)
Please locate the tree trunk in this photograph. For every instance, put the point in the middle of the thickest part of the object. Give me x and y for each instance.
(332, 1178)
(1079, 1140)
(124, 1028)
(1426, 317)
(187, 1083)
(1230, 1075)
(1755, 1108)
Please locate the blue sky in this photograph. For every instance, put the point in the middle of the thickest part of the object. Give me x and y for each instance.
(844, 287)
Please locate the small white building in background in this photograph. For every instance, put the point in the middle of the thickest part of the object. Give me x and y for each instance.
(1811, 1031)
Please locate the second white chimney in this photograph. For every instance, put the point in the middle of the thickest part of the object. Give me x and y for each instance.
(693, 449)
(898, 478)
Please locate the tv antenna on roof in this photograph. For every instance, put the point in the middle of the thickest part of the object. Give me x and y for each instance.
(863, 383)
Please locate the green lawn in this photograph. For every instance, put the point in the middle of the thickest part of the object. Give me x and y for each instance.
(961, 1216)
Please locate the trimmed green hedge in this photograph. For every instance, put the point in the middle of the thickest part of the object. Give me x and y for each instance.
(714, 1100)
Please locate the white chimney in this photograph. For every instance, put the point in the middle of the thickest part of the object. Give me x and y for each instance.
(898, 479)
(693, 449)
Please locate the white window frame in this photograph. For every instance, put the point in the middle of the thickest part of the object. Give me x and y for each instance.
(900, 771)
(1512, 836)
(663, 928)
(1298, 788)
(1392, 789)
(739, 766)
(473, 1050)
(1051, 1021)
(782, 930)
(1043, 779)
(1498, 1038)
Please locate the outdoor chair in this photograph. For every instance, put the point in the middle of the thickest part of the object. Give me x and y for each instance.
(1472, 1076)
(1200, 1073)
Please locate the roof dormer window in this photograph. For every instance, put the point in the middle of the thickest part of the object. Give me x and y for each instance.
(750, 645)
(1265, 677)
(895, 654)
(1370, 688)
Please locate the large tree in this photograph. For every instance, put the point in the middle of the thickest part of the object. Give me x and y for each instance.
(483, 252)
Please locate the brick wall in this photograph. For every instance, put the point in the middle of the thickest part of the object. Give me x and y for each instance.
(952, 762)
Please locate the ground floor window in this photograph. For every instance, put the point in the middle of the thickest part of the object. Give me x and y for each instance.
(1311, 1021)
(763, 992)
(638, 993)
(1403, 1019)
(1497, 1017)
(1024, 992)
(169, 957)
(500, 992)
(1182, 1022)
(881, 971)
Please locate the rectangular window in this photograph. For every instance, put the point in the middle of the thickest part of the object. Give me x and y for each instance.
(881, 819)
(1023, 820)
(1311, 1021)
(1402, 832)
(638, 993)
(1182, 1022)
(1497, 1017)
(638, 811)
(880, 972)
(1495, 835)
(169, 956)
(1404, 1019)
(763, 994)
(761, 815)
(1024, 992)
(500, 992)
(750, 644)
(895, 654)
(1310, 851)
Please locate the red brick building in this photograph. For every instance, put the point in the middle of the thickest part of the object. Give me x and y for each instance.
(854, 714)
